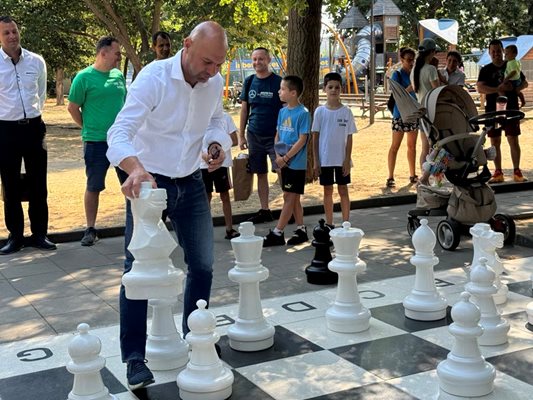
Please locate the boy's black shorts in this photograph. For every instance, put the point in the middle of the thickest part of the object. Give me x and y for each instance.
(219, 178)
(330, 175)
(293, 180)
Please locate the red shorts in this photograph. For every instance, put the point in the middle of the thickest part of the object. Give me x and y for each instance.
(511, 129)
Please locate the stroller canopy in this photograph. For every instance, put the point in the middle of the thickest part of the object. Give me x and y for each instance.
(446, 95)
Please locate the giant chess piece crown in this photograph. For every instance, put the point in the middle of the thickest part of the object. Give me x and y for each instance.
(152, 275)
(251, 331)
(424, 303)
(485, 242)
(347, 314)
(86, 364)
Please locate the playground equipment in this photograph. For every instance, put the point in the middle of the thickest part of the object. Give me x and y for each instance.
(383, 29)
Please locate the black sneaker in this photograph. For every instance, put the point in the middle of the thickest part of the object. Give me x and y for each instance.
(261, 216)
(273, 240)
(138, 375)
(300, 236)
(90, 237)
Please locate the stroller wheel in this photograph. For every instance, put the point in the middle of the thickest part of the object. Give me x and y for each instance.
(412, 225)
(505, 224)
(449, 234)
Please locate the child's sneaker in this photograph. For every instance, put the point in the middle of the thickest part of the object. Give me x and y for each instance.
(273, 240)
(299, 236)
(517, 175)
(497, 177)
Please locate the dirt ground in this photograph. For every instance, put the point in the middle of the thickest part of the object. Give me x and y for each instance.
(66, 175)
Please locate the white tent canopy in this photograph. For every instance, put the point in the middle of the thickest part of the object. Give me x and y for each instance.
(444, 28)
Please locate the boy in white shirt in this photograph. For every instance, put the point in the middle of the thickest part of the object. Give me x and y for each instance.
(221, 181)
(332, 129)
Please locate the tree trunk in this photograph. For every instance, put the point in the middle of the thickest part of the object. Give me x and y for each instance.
(303, 59)
(60, 76)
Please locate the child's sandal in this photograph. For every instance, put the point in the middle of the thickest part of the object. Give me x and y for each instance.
(413, 179)
(391, 183)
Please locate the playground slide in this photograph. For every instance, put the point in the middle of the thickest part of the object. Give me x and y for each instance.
(361, 60)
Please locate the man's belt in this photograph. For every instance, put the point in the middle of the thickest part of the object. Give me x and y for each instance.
(24, 121)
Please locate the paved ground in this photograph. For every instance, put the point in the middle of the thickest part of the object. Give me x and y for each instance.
(46, 293)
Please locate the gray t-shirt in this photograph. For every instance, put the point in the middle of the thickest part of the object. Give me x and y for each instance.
(428, 74)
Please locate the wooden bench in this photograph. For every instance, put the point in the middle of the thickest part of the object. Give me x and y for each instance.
(359, 100)
(380, 104)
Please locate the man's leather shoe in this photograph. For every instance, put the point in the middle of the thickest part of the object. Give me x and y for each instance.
(43, 243)
(12, 246)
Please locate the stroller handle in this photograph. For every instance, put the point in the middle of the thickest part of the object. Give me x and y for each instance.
(492, 118)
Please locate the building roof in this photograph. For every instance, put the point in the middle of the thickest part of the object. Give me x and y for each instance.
(385, 7)
(353, 19)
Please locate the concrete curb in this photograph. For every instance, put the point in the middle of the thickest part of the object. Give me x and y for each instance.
(374, 202)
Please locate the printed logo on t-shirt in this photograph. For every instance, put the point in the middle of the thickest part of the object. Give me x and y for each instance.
(266, 95)
(287, 123)
(252, 93)
(342, 122)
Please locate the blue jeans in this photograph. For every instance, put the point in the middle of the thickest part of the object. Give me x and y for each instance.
(189, 213)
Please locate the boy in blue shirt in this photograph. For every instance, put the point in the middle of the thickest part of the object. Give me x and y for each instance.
(294, 123)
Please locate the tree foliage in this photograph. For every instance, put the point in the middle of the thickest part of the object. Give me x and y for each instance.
(56, 29)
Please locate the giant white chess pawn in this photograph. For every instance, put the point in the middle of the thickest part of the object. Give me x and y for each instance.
(482, 289)
(485, 242)
(251, 331)
(86, 365)
(347, 314)
(424, 303)
(205, 377)
(152, 275)
(165, 348)
(465, 372)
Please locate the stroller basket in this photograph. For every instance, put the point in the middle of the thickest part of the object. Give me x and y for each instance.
(432, 197)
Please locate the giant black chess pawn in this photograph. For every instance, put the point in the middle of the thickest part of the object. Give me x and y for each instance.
(318, 272)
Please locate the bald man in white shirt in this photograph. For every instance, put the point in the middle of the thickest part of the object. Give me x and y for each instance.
(173, 112)
(22, 137)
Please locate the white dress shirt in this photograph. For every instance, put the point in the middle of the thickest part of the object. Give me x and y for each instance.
(166, 123)
(22, 86)
(229, 128)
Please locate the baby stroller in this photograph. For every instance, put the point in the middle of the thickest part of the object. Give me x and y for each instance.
(449, 119)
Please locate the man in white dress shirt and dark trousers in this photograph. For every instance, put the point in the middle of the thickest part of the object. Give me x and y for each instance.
(171, 118)
(22, 137)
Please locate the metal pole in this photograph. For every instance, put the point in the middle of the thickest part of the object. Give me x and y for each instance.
(372, 64)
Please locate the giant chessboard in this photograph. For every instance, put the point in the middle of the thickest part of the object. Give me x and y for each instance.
(395, 359)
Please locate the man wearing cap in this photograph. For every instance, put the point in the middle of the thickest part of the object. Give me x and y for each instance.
(491, 82)
(22, 137)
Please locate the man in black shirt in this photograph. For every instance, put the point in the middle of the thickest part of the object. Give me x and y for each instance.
(490, 82)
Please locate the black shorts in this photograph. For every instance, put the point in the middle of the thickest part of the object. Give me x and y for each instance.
(219, 177)
(330, 175)
(293, 180)
(511, 129)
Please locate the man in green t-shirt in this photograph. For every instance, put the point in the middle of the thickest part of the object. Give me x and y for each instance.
(96, 96)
